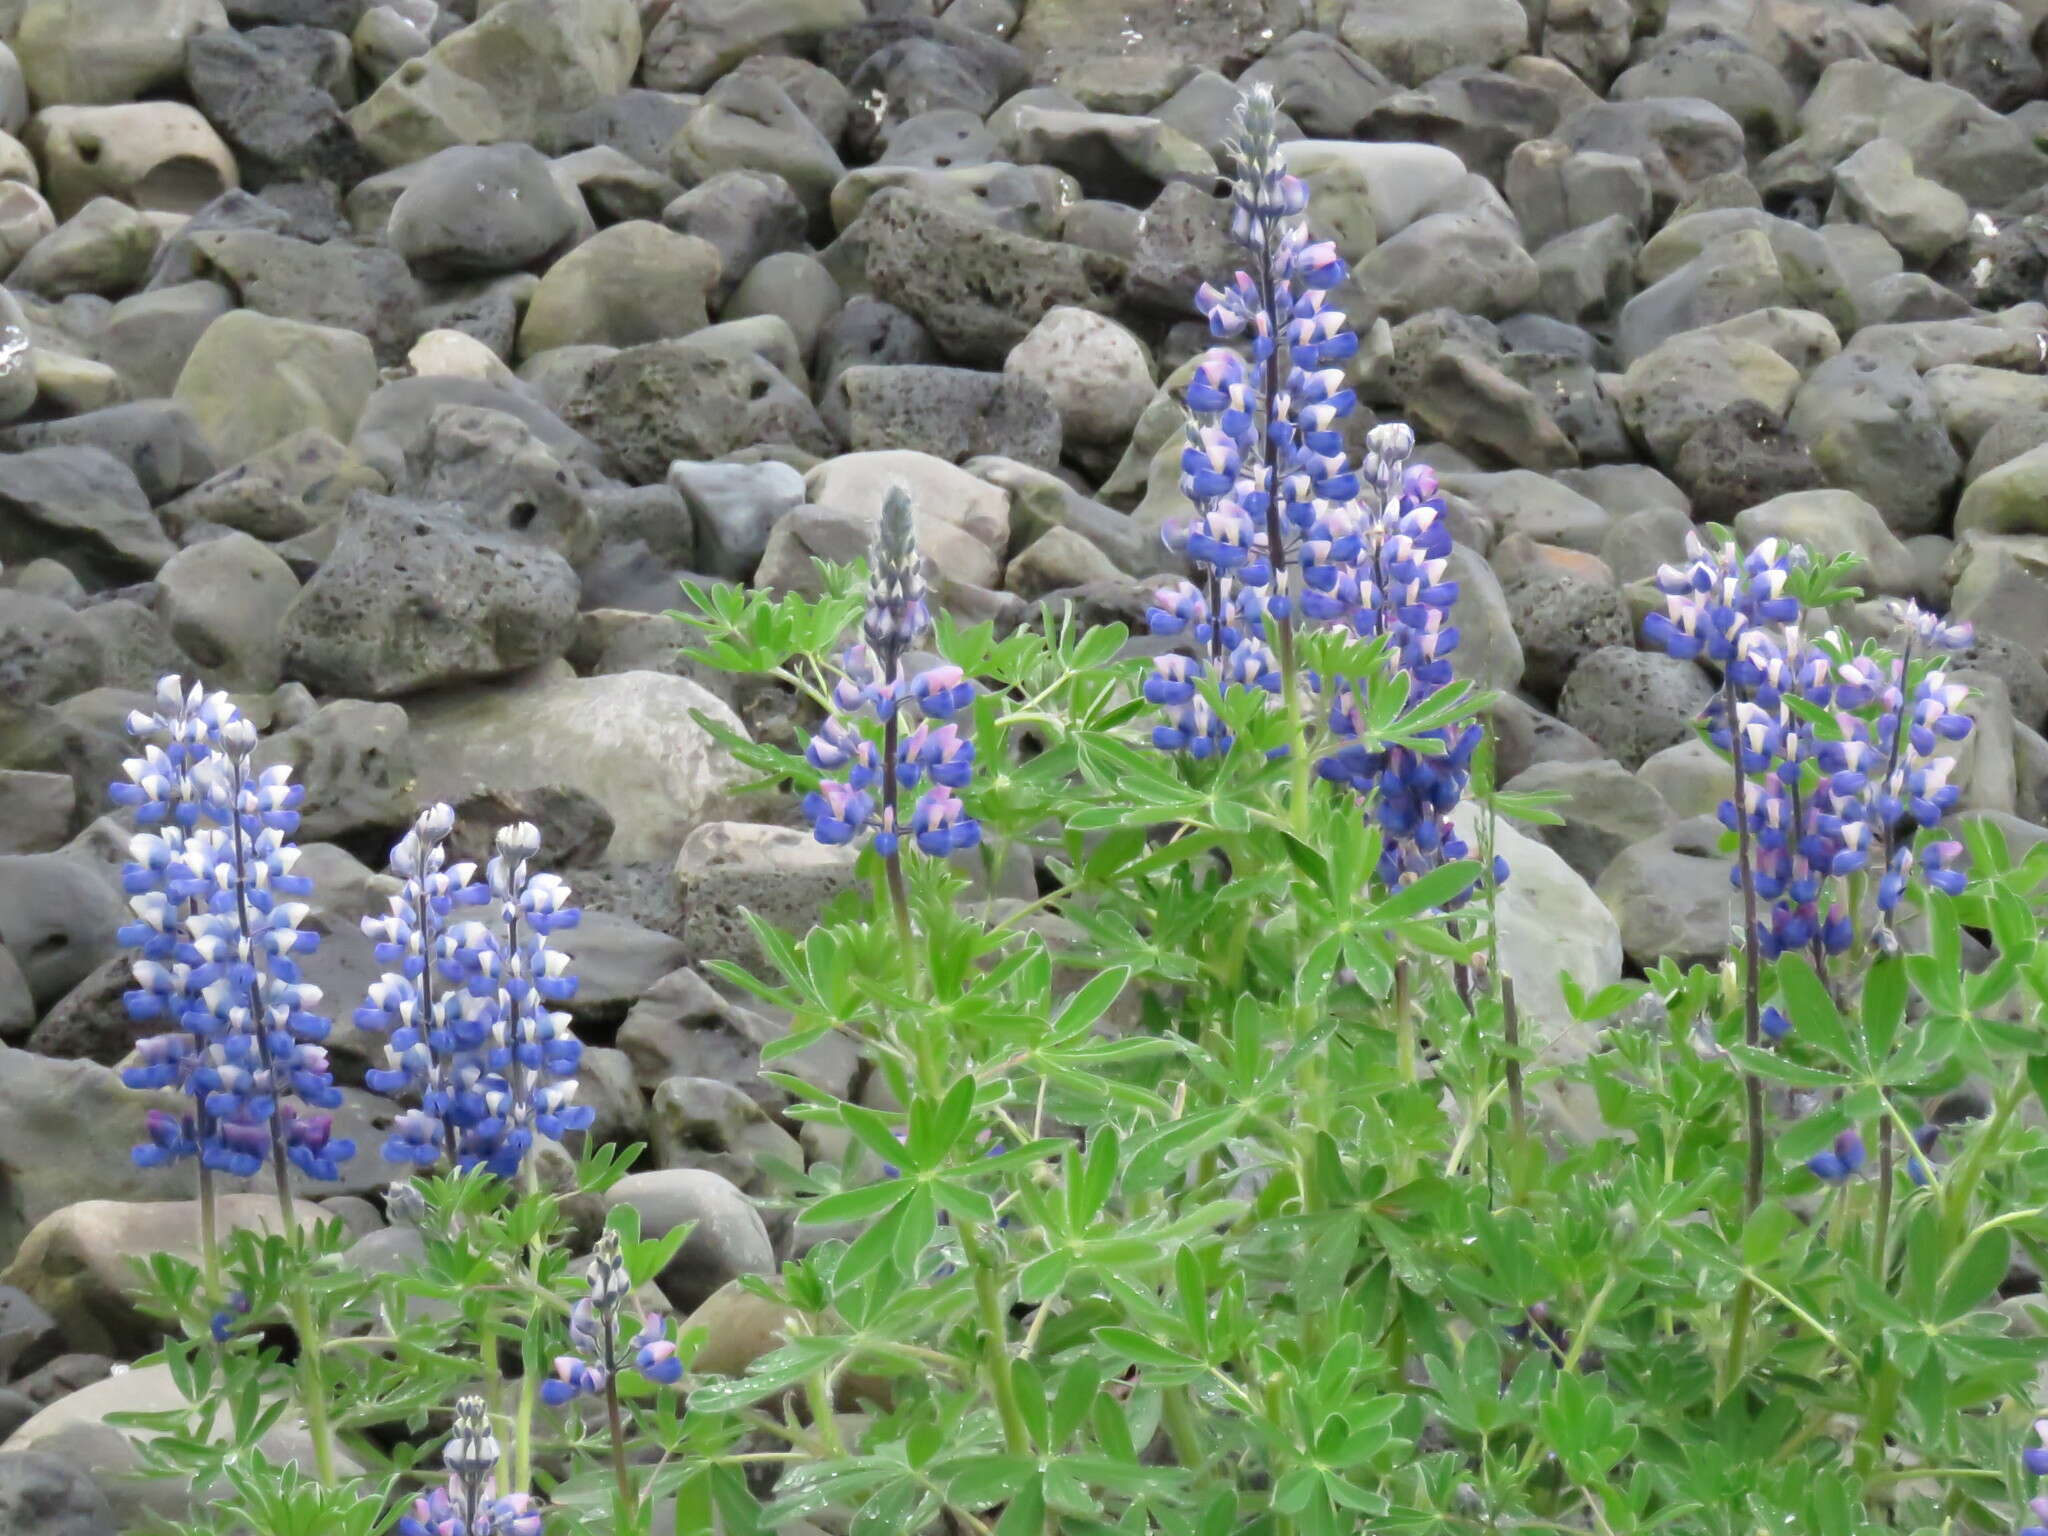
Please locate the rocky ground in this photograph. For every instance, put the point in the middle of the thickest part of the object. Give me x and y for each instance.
(388, 363)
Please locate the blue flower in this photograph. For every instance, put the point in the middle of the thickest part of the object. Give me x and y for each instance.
(218, 937)
(469, 1505)
(1841, 1162)
(595, 1332)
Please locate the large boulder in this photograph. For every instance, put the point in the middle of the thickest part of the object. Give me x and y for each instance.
(82, 508)
(629, 740)
(978, 289)
(480, 209)
(509, 75)
(635, 282)
(413, 596)
(314, 376)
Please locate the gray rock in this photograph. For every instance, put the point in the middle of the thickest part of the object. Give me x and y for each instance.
(616, 187)
(733, 507)
(1410, 46)
(697, 397)
(977, 289)
(744, 215)
(1489, 654)
(1563, 610)
(1732, 275)
(1521, 501)
(951, 413)
(83, 508)
(262, 90)
(1670, 393)
(401, 415)
(365, 289)
(1587, 273)
(1681, 141)
(1984, 48)
(628, 740)
(1605, 809)
(1059, 560)
(46, 652)
(1553, 189)
(1672, 897)
(753, 124)
(57, 918)
(355, 759)
(1878, 186)
(157, 439)
(225, 601)
(1740, 457)
(1040, 501)
(149, 335)
(50, 1496)
(1634, 703)
(316, 376)
(1872, 428)
(36, 813)
(293, 485)
(137, 646)
(480, 208)
(727, 1237)
(503, 477)
(694, 42)
(699, 1122)
(638, 122)
(413, 597)
(1183, 237)
(796, 288)
(1096, 373)
(17, 360)
(104, 248)
(681, 1027)
(1835, 522)
(632, 283)
(1714, 67)
(1469, 262)
(1326, 87)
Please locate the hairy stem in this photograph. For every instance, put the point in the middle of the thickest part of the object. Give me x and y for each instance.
(625, 1509)
(1752, 1036)
(892, 862)
(313, 1384)
(1881, 1241)
(209, 1224)
(1511, 1029)
(995, 1341)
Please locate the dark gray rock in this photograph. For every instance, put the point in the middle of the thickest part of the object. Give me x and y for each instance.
(83, 508)
(977, 289)
(1327, 88)
(482, 208)
(46, 652)
(744, 215)
(57, 918)
(269, 93)
(44, 1495)
(355, 759)
(639, 123)
(733, 507)
(365, 289)
(954, 414)
(413, 597)
(697, 397)
(1741, 457)
(1634, 703)
(157, 439)
(870, 331)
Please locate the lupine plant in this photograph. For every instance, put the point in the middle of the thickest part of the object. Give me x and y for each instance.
(1204, 1174)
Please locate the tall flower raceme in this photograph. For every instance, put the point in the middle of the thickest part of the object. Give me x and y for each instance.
(1838, 751)
(868, 781)
(467, 1010)
(210, 887)
(438, 1031)
(1286, 531)
(469, 1505)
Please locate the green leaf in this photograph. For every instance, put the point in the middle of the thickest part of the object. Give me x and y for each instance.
(1977, 1277)
(1140, 1348)
(853, 1204)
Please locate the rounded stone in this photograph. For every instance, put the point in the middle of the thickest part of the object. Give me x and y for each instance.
(633, 283)
(480, 209)
(1096, 372)
(1634, 703)
(159, 156)
(727, 1236)
(224, 602)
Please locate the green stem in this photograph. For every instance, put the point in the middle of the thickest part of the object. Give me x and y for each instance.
(1969, 1168)
(995, 1342)
(1881, 1240)
(1183, 1429)
(209, 1235)
(626, 1506)
(529, 1363)
(1752, 1036)
(313, 1385)
(1405, 1048)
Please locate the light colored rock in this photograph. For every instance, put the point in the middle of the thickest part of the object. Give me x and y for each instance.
(17, 361)
(1096, 372)
(633, 283)
(694, 42)
(1878, 186)
(459, 355)
(520, 65)
(1551, 925)
(224, 602)
(315, 376)
(1835, 522)
(1672, 897)
(727, 1237)
(1366, 193)
(105, 248)
(1972, 399)
(1671, 391)
(781, 875)
(159, 156)
(92, 53)
(24, 220)
(2013, 498)
(956, 513)
(627, 739)
(1412, 43)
